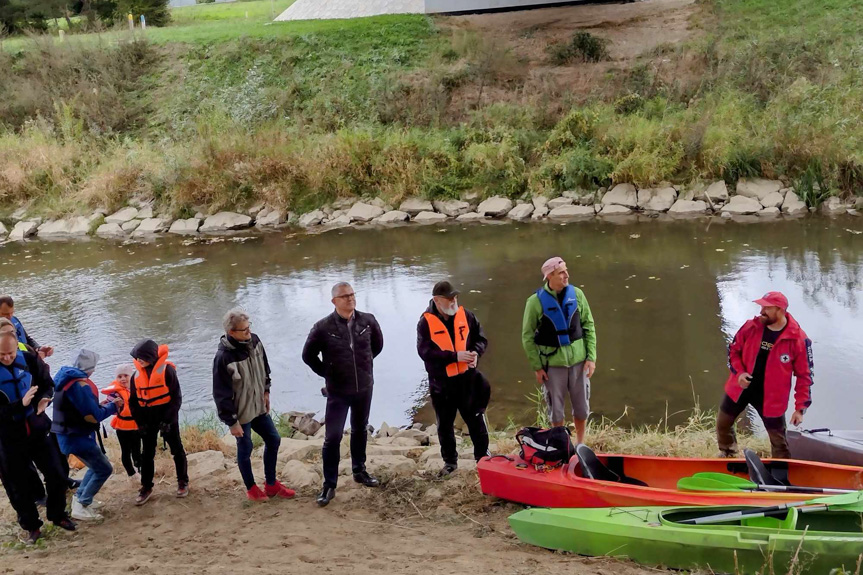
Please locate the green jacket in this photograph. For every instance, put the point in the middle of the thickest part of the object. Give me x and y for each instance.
(574, 353)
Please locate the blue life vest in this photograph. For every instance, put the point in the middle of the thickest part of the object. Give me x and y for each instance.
(15, 381)
(561, 322)
(19, 330)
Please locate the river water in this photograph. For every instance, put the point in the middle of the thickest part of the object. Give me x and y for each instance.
(666, 297)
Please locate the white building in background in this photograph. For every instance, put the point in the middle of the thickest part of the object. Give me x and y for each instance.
(331, 9)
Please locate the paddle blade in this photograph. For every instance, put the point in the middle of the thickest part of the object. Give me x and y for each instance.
(846, 500)
(731, 480)
(704, 484)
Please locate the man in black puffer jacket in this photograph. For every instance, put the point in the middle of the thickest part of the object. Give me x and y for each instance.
(341, 348)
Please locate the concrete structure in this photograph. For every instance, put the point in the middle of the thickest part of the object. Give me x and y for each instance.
(332, 9)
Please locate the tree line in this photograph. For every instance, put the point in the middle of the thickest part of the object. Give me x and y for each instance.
(18, 16)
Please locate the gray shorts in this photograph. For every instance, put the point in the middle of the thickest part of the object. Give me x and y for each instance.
(563, 381)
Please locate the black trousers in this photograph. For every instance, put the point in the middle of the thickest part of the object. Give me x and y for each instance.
(454, 398)
(336, 415)
(130, 449)
(17, 455)
(149, 439)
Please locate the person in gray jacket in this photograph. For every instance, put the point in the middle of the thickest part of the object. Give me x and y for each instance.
(241, 390)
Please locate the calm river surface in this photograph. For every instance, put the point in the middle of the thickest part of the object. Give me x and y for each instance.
(666, 298)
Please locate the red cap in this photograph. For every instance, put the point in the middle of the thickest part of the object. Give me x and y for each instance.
(773, 298)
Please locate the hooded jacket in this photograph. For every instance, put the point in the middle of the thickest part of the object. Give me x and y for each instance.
(434, 357)
(241, 377)
(77, 410)
(791, 354)
(148, 350)
(345, 360)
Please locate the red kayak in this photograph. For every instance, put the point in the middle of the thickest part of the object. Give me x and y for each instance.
(637, 480)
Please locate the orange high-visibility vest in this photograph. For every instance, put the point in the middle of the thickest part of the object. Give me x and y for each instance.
(123, 420)
(441, 337)
(152, 391)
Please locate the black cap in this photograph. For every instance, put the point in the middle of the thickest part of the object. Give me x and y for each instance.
(444, 289)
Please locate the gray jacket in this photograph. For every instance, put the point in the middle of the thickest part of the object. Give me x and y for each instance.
(241, 377)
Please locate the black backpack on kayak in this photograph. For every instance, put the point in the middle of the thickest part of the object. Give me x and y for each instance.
(547, 448)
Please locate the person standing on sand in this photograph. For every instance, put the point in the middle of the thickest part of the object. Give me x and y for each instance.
(155, 400)
(341, 348)
(25, 393)
(7, 310)
(77, 415)
(559, 336)
(241, 390)
(450, 342)
(762, 357)
(124, 424)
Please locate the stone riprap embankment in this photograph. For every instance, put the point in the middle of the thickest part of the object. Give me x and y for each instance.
(750, 200)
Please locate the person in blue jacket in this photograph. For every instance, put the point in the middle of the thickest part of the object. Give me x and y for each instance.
(77, 414)
(25, 393)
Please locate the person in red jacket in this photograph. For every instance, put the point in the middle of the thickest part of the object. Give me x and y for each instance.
(763, 355)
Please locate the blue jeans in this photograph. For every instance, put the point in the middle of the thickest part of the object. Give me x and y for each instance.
(263, 426)
(99, 469)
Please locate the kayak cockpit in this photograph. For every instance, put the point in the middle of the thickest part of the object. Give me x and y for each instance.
(833, 521)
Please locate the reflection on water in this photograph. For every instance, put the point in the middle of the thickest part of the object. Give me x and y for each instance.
(665, 296)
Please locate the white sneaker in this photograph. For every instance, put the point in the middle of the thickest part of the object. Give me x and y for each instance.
(82, 513)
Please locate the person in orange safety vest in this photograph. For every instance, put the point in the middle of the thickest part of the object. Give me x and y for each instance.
(450, 342)
(123, 423)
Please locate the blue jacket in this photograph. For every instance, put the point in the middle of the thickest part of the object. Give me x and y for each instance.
(76, 405)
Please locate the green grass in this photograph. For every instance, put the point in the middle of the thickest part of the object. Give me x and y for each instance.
(223, 111)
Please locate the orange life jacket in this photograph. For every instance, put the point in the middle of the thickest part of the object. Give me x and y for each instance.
(152, 390)
(122, 420)
(441, 337)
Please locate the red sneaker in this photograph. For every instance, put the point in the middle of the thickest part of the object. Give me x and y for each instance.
(255, 494)
(279, 490)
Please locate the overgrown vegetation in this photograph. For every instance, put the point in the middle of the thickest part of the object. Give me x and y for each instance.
(221, 111)
(583, 46)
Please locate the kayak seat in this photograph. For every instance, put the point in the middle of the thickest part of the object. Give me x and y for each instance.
(593, 468)
(758, 472)
(789, 522)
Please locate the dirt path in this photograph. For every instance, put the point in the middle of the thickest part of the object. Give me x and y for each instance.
(216, 531)
(632, 28)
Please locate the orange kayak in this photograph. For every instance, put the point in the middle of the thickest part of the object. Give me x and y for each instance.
(650, 481)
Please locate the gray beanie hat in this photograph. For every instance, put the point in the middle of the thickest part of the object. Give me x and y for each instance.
(86, 361)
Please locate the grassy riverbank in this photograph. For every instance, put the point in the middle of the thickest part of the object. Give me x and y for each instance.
(219, 111)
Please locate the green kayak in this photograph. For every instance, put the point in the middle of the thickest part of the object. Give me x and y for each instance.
(826, 540)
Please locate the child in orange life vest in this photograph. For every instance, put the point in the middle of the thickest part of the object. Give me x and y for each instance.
(123, 424)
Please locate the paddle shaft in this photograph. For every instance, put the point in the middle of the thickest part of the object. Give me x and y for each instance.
(723, 517)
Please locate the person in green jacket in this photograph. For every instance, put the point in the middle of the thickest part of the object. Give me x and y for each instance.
(559, 337)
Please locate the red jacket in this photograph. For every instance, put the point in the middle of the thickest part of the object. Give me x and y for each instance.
(792, 353)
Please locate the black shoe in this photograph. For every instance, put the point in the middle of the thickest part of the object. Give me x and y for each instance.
(448, 469)
(30, 537)
(66, 524)
(74, 484)
(366, 479)
(42, 502)
(327, 494)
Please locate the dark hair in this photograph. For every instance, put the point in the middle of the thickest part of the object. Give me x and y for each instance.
(7, 300)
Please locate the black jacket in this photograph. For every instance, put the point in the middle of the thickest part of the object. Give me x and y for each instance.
(435, 358)
(346, 368)
(41, 423)
(167, 413)
(241, 377)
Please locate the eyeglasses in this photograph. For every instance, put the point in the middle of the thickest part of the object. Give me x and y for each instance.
(347, 296)
(246, 330)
